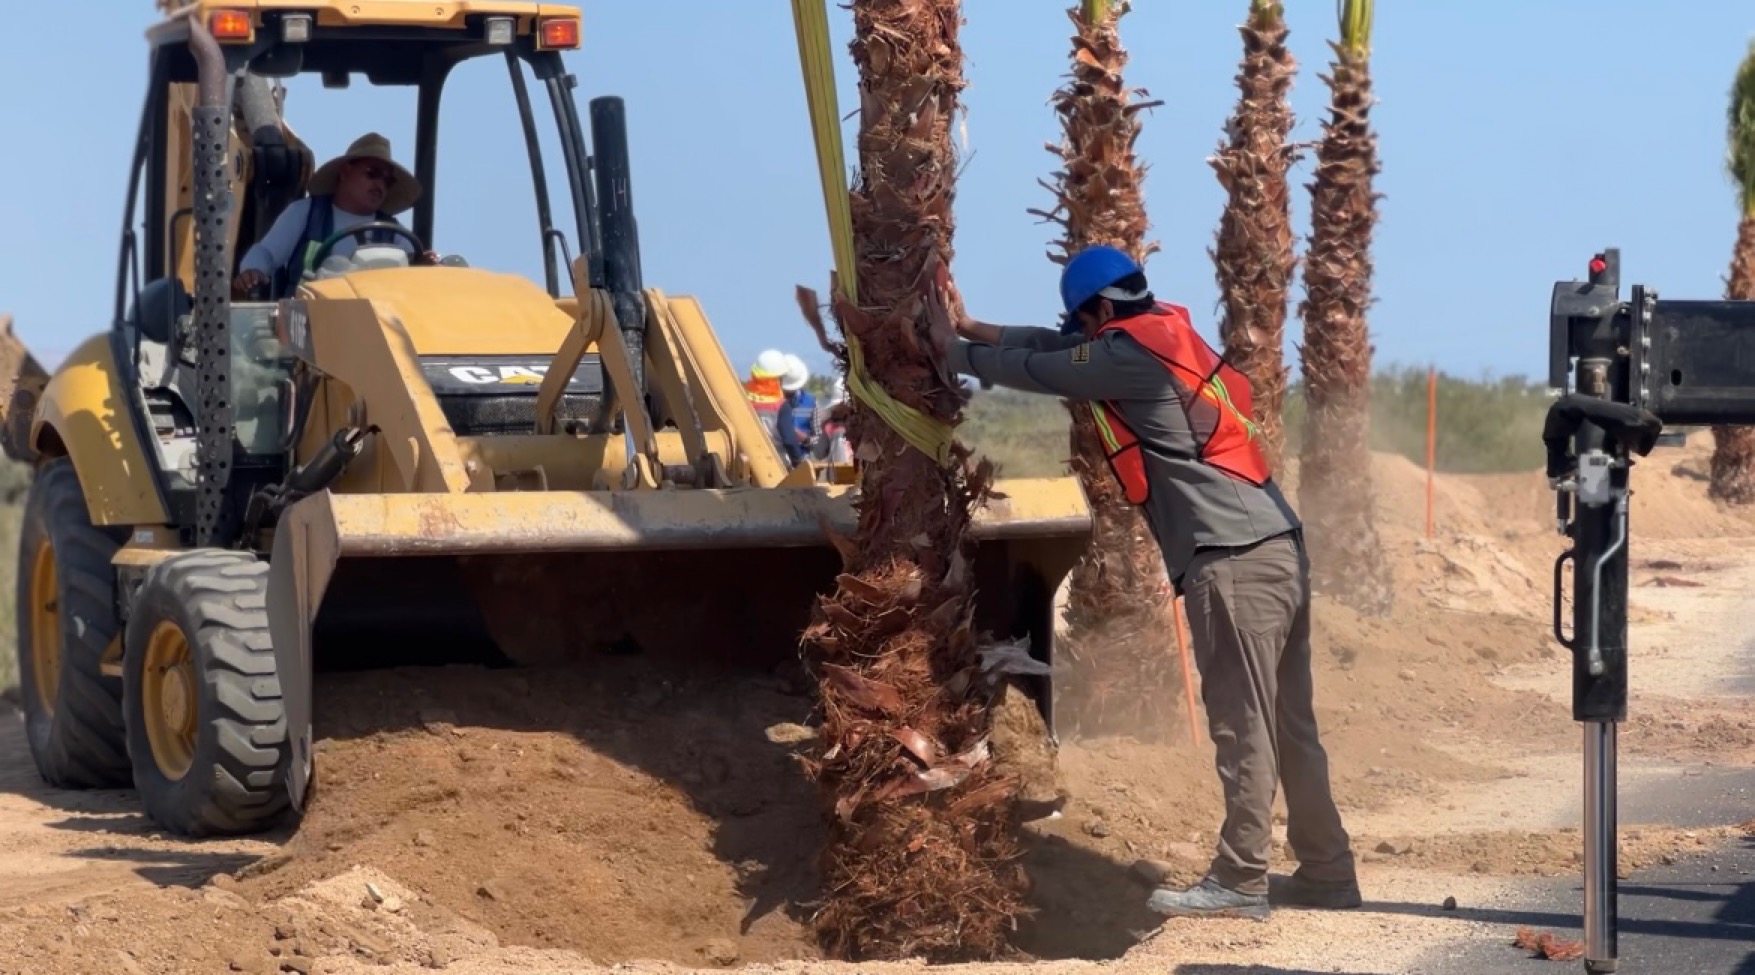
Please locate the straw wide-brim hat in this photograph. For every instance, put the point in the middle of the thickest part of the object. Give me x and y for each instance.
(399, 197)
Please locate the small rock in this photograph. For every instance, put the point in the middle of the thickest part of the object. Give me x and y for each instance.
(437, 716)
(1373, 857)
(1184, 852)
(424, 837)
(1480, 866)
(249, 962)
(300, 965)
(788, 733)
(1668, 859)
(224, 881)
(489, 891)
(337, 847)
(1450, 903)
(374, 893)
(284, 932)
(1395, 847)
(226, 899)
(1407, 675)
(1097, 828)
(721, 952)
(1153, 872)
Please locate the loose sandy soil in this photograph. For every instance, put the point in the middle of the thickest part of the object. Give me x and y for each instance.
(477, 821)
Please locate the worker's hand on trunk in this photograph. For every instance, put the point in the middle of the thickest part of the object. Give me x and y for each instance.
(245, 282)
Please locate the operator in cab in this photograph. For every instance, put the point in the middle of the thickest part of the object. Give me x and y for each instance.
(1176, 424)
(364, 185)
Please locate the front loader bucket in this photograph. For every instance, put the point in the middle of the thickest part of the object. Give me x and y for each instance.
(22, 379)
(719, 578)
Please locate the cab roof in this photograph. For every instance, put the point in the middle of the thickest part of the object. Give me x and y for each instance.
(453, 14)
(390, 42)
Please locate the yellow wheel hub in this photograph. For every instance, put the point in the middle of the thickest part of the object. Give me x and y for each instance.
(45, 627)
(168, 700)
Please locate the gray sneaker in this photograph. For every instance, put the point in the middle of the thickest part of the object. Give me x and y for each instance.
(1296, 891)
(1208, 899)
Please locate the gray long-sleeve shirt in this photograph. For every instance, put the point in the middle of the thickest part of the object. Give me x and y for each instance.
(1192, 505)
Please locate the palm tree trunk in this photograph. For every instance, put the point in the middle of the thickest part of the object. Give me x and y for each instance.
(1253, 256)
(1733, 454)
(922, 846)
(1335, 483)
(1120, 676)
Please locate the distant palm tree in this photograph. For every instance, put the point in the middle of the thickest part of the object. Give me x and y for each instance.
(1335, 487)
(1253, 256)
(1120, 674)
(920, 854)
(1733, 455)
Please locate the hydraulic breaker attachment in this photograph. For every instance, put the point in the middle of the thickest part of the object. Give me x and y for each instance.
(1624, 369)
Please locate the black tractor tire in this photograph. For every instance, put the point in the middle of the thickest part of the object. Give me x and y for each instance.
(235, 747)
(73, 722)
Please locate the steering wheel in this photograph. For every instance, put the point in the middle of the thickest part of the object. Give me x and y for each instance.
(388, 226)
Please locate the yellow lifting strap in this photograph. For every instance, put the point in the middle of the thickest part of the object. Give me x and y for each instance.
(924, 433)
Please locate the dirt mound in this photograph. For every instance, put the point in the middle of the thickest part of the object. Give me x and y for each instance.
(360, 915)
(624, 813)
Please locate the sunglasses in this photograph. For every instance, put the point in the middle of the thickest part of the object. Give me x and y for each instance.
(377, 173)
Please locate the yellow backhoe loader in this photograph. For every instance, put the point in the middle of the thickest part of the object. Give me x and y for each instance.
(390, 458)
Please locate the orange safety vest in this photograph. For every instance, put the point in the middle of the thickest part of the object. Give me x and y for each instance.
(1215, 397)
(764, 393)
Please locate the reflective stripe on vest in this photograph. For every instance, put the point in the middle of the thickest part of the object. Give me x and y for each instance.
(1215, 398)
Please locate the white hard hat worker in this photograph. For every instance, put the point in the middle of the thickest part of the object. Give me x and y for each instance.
(771, 364)
(796, 375)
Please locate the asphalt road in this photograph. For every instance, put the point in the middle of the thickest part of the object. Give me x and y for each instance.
(1695, 916)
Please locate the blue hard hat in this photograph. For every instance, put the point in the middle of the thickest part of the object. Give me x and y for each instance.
(1090, 271)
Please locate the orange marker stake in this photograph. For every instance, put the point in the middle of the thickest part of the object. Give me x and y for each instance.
(1187, 673)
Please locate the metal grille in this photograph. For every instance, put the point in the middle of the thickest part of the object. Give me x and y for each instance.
(486, 416)
(213, 384)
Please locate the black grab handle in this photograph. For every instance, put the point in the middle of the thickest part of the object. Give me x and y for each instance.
(1559, 592)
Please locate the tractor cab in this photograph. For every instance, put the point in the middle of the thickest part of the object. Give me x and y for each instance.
(268, 168)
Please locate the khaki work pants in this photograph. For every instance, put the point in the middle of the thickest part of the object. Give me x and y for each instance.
(1249, 613)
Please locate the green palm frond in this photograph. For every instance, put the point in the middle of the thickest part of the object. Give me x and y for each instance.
(1272, 8)
(1741, 130)
(1356, 27)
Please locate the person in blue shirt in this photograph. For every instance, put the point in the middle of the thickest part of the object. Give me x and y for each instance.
(794, 422)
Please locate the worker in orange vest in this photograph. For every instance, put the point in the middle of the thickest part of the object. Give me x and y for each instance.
(763, 391)
(1177, 424)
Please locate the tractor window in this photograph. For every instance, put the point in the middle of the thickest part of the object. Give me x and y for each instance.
(134, 238)
(328, 120)
(486, 205)
(261, 373)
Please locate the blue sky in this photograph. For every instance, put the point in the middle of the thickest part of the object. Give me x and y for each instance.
(1517, 137)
